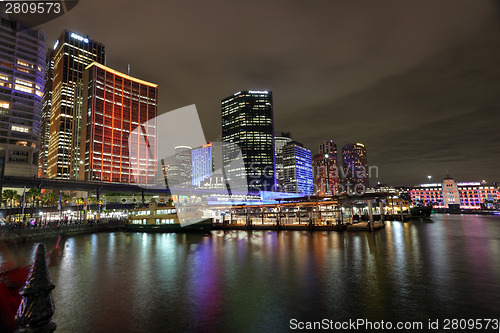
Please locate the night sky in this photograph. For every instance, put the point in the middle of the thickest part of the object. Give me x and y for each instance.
(418, 82)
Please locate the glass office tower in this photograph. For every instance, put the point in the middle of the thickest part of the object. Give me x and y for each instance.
(279, 143)
(47, 103)
(247, 126)
(355, 165)
(298, 173)
(22, 64)
(72, 54)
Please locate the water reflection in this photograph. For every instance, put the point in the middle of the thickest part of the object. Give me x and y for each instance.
(257, 281)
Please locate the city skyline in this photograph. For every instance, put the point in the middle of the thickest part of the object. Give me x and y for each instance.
(406, 77)
(259, 166)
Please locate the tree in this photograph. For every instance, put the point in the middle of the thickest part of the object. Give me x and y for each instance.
(65, 198)
(49, 199)
(34, 195)
(79, 201)
(9, 196)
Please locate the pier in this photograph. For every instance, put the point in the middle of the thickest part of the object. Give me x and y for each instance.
(333, 213)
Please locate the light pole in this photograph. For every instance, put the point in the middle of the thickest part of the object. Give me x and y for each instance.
(327, 172)
(430, 202)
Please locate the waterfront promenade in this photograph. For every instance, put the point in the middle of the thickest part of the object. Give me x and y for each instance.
(17, 233)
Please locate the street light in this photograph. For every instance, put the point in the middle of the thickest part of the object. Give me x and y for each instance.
(327, 172)
(429, 177)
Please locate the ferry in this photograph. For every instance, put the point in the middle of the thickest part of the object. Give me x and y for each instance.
(163, 219)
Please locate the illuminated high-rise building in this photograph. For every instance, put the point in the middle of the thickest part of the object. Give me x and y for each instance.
(279, 143)
(47, 103)
(247, 126)
(202, 163)
(22, 63)
(355, 165)
(116, 105)
(298, 173)
(177, 169)
(325, 167)
(72, 54)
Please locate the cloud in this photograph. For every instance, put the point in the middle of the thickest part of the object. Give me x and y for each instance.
(348, 70)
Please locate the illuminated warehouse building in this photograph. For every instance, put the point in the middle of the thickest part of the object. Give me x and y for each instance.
(453, 196)
(22, 63)
(355, 165)
(298, 173)
(247, 123)
(116, 104)
(72, 54)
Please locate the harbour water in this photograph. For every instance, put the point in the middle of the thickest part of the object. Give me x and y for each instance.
(242, 281)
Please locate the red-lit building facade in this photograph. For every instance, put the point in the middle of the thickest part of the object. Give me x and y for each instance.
(470, 195)
(325, 169)
(115, 106)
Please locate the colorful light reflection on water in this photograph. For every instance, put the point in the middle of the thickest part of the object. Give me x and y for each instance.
(258, 281)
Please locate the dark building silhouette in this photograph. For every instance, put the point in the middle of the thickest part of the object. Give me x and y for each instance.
(355, 165)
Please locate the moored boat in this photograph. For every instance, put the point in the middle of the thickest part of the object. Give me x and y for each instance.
(421, 212)
(163, 219)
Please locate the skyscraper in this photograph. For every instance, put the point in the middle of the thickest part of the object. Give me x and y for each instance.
(116, 105)
(325, 166)
(247, 123)
(72, 54)
(22, 63)
(279, 143)
(177, 169)
(210, 153)
(298, 173)
(47, 103)
(355, 166)
(202, 163)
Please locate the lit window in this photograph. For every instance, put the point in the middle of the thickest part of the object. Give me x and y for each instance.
(24, 83)
(20, 128)
(25, 64)
(4, 105)
(24, 89)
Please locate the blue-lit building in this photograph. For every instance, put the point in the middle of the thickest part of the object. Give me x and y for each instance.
(202, 163)
(22, 66)
(247, 127)
(298, 172)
